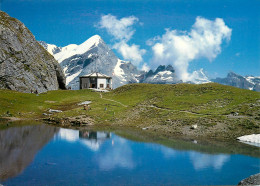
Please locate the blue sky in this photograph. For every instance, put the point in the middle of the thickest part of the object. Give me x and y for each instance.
(64, 22)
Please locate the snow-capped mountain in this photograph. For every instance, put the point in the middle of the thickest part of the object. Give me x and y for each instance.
(95, 55)
(162, 75)
(166, 75)
(236, 80)
(199, 77)
(52, 49)
(92, 55)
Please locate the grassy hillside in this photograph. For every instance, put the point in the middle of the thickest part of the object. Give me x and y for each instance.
(218, 111)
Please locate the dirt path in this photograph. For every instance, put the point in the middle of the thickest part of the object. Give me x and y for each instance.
(101, 96)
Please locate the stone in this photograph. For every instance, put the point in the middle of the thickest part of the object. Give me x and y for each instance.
(194, 126)
(52, 110)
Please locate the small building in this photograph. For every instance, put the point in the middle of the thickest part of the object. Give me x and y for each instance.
(95, 80)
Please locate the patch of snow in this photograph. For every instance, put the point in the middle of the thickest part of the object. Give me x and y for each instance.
(249, 79)
(73, 49)
(70, 78)
(52, 110)
(74, 59)
(165, 73)
(85, 103)
(65, 69)
(118, 71)
(50, 48)
(250, 88)
(253, 139)
(133, 75)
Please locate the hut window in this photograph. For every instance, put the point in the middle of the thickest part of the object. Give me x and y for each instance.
(107, 85)
(101, 85)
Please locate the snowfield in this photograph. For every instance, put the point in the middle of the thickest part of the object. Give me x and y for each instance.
(253, 139)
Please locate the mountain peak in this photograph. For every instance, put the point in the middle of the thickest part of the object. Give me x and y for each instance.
(73, 49)
(94, 40)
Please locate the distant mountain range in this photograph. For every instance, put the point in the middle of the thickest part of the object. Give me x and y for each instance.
(95, 55)
(233, 79)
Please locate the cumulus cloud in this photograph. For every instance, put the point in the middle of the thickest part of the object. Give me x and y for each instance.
(132, 53)
(145, 67)
(122, 31)
(180, 48)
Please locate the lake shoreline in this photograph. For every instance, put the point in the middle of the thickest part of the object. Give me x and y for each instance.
(209, 111)
(189, 132)
(172, 140)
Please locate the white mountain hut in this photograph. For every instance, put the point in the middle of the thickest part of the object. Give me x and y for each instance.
(95, 80)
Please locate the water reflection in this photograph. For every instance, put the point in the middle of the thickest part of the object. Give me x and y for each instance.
(202, 161)
(199, 160)
(115, 154)
(19, 145)
(93, 140)
(103, 158)
(90, 139)
(68, 135)
(119, 154)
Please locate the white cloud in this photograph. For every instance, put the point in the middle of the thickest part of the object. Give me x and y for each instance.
(145, 67)
(132, 53)
(180, 48)
(122, 30)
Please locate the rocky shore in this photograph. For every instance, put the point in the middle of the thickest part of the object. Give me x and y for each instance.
(252, 180)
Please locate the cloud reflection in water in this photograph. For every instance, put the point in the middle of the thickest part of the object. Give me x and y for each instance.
(116, 154)
(202, 161)
(119, 154)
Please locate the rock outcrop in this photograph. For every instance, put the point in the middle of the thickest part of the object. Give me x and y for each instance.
(25, 65)
(252, 180)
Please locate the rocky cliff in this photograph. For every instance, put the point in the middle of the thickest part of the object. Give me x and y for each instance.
(24, 64)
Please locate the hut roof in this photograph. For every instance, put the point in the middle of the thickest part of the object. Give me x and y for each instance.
(96, 74)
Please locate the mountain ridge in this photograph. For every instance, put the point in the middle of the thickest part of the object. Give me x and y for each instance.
(92, 58)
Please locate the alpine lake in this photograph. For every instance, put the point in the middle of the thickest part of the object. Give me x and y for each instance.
(40, 154)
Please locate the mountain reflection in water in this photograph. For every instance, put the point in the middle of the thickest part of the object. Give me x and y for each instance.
(19, 145)
(118, 156)
(90, 139)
